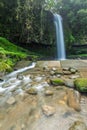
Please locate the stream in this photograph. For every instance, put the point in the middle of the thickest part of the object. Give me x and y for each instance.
(29, 102)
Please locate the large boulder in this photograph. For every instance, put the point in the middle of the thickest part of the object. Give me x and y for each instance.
(73, 99)
(81, 84)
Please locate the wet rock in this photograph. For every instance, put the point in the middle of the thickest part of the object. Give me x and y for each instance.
(1, 80)
(32, 91)
(72, 70)
(11, 101)
(78, 125)
(81, 84)
(48, 110)
(5, 85)
(73, 100)
(20, 76)
(57, 81)
(65, 69)
(48, 93)
(66, 72)
(69, 83)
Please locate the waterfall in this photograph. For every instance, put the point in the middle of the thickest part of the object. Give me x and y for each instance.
(59, 37)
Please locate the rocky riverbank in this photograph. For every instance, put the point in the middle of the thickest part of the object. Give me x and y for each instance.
(43, 97)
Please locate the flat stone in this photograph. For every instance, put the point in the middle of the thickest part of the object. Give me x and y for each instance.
(73, 63)
(48, 110)
(48, 93)
(65, 69)
(11, 101)
(49, 64)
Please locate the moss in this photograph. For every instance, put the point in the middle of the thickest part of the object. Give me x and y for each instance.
(4, 66)
(81, 84)
(57, 81)
(10, 54)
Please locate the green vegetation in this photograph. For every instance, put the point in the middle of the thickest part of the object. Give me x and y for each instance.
(27, 22)
(81, 84)
(57, 81)
(10, 54)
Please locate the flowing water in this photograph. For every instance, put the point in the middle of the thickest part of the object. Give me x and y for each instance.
(28, 112)
(11, 82)
(59, 37)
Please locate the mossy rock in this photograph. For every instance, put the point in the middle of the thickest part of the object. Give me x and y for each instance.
(32, 91)
(81, 84)
(57, 81)
(78, 125)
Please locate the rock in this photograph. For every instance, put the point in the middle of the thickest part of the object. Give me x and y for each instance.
(72, 70)
(81, 84)
(66, 72)
(69, 83)
(74, 76)
(48, 93)
(20, 76)
(11, 101)
(1, 80)
(78, 125)
(46, 68)
(32, 91)
(48, 110)
(54, 69)
(5, 85)
(65, 69)
(73, 100)
(58, 75)
(52, 72)
(57, 81)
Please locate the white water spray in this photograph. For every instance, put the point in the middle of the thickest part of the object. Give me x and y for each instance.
(11, 80)
(59, 37)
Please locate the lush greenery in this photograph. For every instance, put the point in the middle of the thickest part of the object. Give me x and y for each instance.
(27, 22)
(10, 54)
(81, 84)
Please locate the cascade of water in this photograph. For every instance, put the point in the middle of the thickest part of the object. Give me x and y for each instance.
(59, 37)
(11, 81)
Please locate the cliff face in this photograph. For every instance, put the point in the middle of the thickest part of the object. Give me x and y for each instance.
(26, 22)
